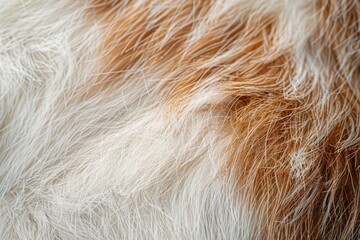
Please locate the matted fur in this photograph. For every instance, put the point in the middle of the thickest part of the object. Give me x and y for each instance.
(180, 119)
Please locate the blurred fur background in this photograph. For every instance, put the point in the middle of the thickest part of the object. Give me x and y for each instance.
(180, 119)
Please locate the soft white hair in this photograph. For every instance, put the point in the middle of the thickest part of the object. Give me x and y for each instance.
(162, 119)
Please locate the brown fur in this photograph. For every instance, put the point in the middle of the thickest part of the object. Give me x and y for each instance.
(270, 128)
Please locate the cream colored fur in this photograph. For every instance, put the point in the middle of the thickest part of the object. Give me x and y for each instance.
(122, 163)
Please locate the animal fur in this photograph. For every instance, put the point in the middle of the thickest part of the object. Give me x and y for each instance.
(180, 119)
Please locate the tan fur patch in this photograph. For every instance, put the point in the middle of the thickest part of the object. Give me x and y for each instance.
(296, 157)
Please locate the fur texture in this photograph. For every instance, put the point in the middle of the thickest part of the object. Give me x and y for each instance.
(180, 119)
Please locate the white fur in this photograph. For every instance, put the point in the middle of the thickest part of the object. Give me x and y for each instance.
(120, 165)
(114, 167)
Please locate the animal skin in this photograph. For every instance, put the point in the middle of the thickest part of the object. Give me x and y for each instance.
(179, 119)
